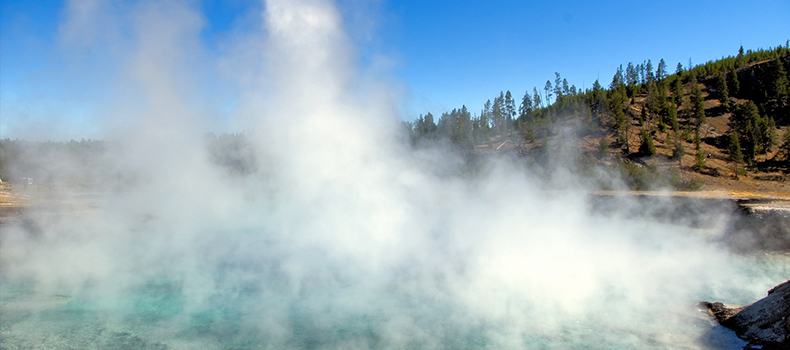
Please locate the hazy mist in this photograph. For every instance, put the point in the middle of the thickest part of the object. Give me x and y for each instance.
(342, 235)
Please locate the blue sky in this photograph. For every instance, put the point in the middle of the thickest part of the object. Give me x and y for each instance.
(442, 54)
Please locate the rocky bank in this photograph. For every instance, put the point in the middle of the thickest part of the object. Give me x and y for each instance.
(765, 323)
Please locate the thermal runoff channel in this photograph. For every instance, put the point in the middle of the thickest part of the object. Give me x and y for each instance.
(327, 229)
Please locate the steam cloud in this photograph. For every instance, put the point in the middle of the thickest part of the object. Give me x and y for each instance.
(344, 236)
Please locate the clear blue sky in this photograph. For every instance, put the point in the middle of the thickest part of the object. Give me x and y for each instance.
(443, 54)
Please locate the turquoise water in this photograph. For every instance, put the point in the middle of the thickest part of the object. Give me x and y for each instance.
(164, 313)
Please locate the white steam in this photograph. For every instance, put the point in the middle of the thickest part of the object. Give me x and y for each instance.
(343, 231)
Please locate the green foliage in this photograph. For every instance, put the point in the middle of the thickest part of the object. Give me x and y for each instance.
(678, 150)
(785, 147)
(734, 149)
(646, 146)
(697, 105)
(649, 177)
(603, 147)
(672, 117)
(755, 132)
(699, 158)
(721, 90)
(780, 87)
(733, 84)
(677, 91)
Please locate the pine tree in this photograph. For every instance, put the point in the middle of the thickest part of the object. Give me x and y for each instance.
(498, 114)
(785, 147)
(672, 117)
(678, 149)
(746, 120)
(732, 82)
(770, 138)
(510, 110)
(721, 91)
(661, 71)
(647, 147)
(536, 98)
(781, 85)
(736, 156)
(649, 71)
(526, 106)
(700, 158)
(557, 87)
(697, 104)
(677, 91)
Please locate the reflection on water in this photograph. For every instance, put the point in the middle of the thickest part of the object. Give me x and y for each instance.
(156, 315)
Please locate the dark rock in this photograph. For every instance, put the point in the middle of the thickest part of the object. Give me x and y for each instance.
(759, 229)
(766, 322)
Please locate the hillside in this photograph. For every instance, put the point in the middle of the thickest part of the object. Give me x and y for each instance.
(657, 130)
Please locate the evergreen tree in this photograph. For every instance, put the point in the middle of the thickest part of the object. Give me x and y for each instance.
(697, 104)
(498, 114)
(672, 117)
(485, 119)
(557, 87)
(603, 147)
(649, 71)
(732, 82)
(631, 79)
(536, 98)
(661, 71)
(510, 110)
(770, 138)
(780, 88)
(677, 91)
(736, 156)
(647, 147)
(679, 69)
(785, 147)
(526, 106)
(700, 158)
(721, 91)
(746, 121)
(547, 89)
(740, 60)
(678, 149)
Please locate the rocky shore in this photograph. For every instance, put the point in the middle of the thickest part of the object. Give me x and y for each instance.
(765, 323)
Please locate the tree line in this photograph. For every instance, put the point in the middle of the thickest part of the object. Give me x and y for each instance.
(643, 101)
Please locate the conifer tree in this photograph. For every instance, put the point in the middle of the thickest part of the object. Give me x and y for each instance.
(647, 147)
(697, 106)
(536, 98)
(678, 149)
(661, 71)
(526, 106)
(700, 158)
(781, 85)
(721, 91)
(677, 91)
(732, 82)
(736, 156)
(510, 110)
(672, 117)
(785, 147)
(547, 89)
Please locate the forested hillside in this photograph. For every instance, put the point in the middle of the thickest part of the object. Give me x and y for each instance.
(726, 118)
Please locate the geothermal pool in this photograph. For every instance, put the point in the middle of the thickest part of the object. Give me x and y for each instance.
(247, 299)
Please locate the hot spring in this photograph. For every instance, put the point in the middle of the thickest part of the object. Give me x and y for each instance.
(335, 233)
(464, 281)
